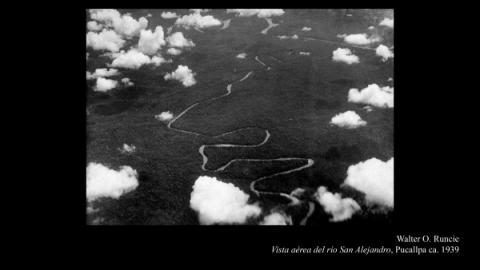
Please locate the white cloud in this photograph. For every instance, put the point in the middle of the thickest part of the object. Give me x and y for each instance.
(102, 72)
(345, 55)
(182, 74)
(359, 39)
(375, 178)
(384, 52)
(348, 119)
(371, 27)
(126, 81)
(174, 51)
(243, 12)
(288, 37)
(158, 60)
(217, 202)
(372, 95)
(105, 40)
(107, 16)
(261, 13)
(128, 149)
(197, 20)
(122, 24)
(178, 40)
(103, 85)
(94, 26)
(267, 13)
(304, 53)
(169, 15)
(306, 28)
(387, 22)
(368, 108)
(105, 182)
(276, 218)
(199, 10)
(134, 59)
(241, 55)
(150, 42)
(340, 208)
(164, 116)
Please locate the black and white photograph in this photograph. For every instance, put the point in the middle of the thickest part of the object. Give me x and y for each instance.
(250, 131)
(239, 116)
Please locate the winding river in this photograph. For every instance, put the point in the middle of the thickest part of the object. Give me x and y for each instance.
(308, 162)
(270, 25)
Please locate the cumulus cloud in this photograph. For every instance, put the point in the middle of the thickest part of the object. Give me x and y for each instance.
(241, 55)
(305, 28)
(276, 218)
(127, 149)
(104, 85)
(359, 39)
(174, 51)
(94, 26)
(345, 55)
(374, 178)
(182, 74)
(348, 119)
(288, 37)
(126, 81)
(178, 40)
(105, 15)
(169, 15)
(387, 22)
(217, 202)
(340, 208)
(105, 182)
(105, 40)
(134, 59)
(158, 60)
(164, 116)
(150, 42)
(261, 13)
(304, 53)
(122, 24)
(384, 52)
(102, 72)
(197, 20)
(372, 95)
(199, 10)
(371, 27)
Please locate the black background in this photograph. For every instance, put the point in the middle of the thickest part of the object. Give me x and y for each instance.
(431, 146)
